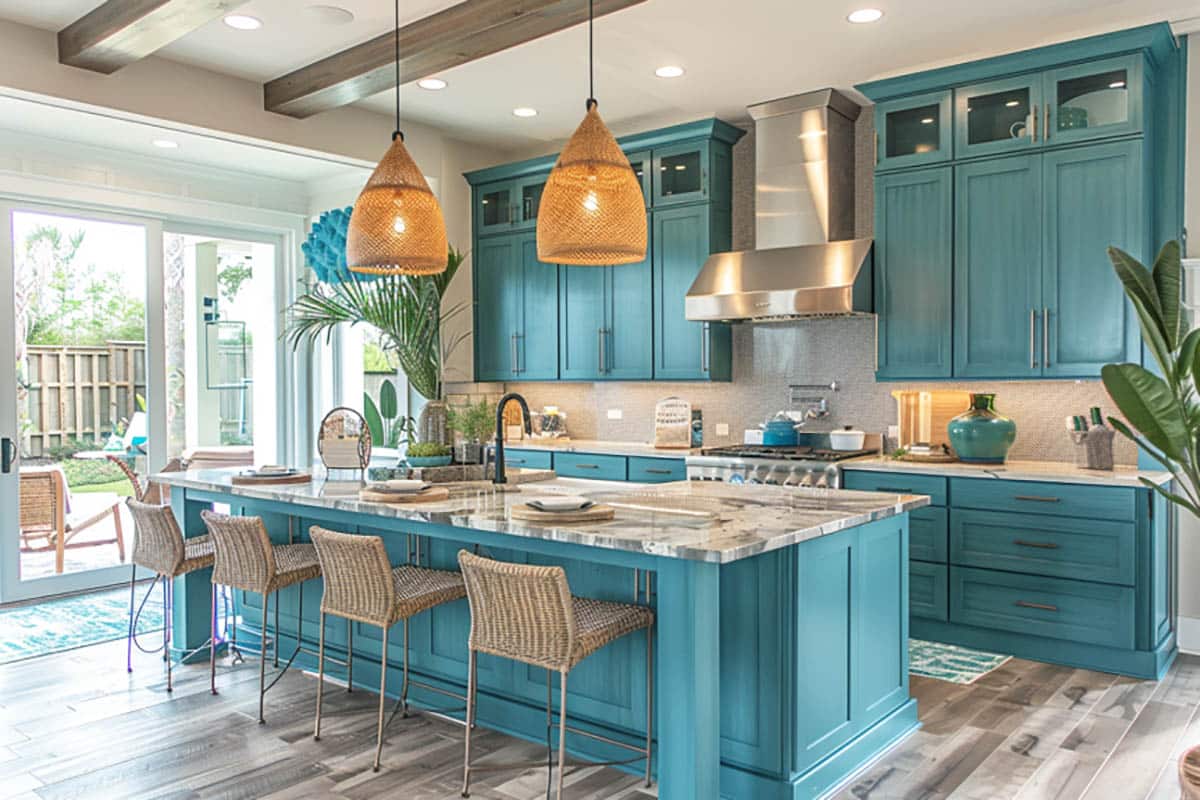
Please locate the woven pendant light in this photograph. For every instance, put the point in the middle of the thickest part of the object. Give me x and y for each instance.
(397, 227)
(592, 212)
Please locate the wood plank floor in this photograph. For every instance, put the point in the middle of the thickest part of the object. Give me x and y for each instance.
(75, 725)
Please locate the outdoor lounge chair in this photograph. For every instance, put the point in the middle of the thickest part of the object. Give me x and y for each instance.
(45, 523)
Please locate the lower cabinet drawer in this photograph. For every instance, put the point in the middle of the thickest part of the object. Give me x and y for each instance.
(1064, 547)
(529, 459)
(1050, 499)
(928, 590)
(590, 465)
(1095, 613)
(897, 483)
(927, 534)
(656, 470)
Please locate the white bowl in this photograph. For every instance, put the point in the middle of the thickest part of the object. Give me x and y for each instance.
(846, 440)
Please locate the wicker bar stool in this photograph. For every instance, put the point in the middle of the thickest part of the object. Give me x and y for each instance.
(246, 559)
(527, 614)
(159, 546)
(361, 585)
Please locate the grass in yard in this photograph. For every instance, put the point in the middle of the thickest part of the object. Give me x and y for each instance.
(121, 488)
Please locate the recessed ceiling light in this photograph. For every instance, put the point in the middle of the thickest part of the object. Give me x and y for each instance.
(165, 144)
(669, 71)
(243, 22)
(1012, 104)
(1117, 85)
(927, 121)
(328, 15)
(432, 84)
(865, 15)
(524, 111)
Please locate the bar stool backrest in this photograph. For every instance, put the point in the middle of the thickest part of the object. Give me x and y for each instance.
(520, 611)
(242, 554)
(158, 544)
(358, 576)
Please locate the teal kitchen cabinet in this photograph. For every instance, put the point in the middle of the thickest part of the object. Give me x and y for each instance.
(997, 267)
(1093, 200)
(914, 131)
(998, 116)
(515, 339)
(683, 349)
(495, 207)
(914, 272)
(497, 279)
(605, 319)
(1094, 100)
(680, 173)
(528, 196)
(642, 162)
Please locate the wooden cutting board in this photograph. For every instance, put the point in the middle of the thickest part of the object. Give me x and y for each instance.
(596, 513)
(275, 480)
(433, 494)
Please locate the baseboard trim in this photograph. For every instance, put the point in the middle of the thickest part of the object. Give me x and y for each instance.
(1187, 635)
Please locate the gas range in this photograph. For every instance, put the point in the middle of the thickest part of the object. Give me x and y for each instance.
(812, 462)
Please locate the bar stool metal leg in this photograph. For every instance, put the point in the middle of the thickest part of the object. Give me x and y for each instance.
(320, 676)
(382, 697)
(275, 635)
(349, 655)
(404, 686)
(168, 609)
(649, 698)
(466, 790)
(132, 598)
(262, 662)
(212, 651)
(562, 731)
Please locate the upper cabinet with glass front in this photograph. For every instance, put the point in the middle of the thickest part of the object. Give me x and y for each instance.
(913, 131)
(998, 116)
(680, 173)
(1093, 100)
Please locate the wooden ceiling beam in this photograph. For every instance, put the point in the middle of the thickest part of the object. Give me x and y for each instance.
(119, 32)
(458, 35)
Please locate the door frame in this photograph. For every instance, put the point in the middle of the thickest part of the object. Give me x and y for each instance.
(12, 588)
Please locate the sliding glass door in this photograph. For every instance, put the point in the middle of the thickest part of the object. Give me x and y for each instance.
(83, 411)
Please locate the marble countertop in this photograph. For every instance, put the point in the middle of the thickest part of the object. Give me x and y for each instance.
(597, 446)
(711, 521)
(1048, 471)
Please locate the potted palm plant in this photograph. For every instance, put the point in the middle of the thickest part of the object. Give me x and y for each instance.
(1162, 407)
(406, 309)
(474, 423)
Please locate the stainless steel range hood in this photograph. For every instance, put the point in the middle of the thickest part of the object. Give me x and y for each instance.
(807, 262)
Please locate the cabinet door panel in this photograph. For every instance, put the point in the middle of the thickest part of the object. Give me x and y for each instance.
(681, 238)
(628, 349)
(998, 116)
(1094, 100)
(495, 207)
(497, 289)
(582, 300)
(1093, 201)
(913, 131)
(997, 268)
(914, 265)
(539, 315)
(680, 173)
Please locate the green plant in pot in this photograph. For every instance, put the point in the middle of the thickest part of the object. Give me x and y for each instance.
(474, 422)
(1162, 408)
(428, 454)
(406, 309)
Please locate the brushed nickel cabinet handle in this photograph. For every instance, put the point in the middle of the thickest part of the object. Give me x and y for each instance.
(604, 350)
(1034, 128)
(600, 350)
(1045, 337)
(1047, 135)
(890, 490)
(1033, 498)
(587, 466)
(657, 471)
(512, 341)
(1032, 336)
(1039, 606)
(704, 347)
(514, 461)
(1039, 545)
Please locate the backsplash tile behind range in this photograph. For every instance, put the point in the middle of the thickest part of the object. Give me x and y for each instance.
(770, 357)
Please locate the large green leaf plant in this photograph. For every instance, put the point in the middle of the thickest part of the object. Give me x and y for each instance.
(406, 309)
(1161, 407)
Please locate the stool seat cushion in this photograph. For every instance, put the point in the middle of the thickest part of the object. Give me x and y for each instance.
(197, 554)
(419, 589)
(598, 622)
(294, 563)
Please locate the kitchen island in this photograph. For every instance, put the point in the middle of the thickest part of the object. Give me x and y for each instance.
(782, 618)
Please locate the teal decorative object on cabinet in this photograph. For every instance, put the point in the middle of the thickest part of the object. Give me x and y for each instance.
(980, 435)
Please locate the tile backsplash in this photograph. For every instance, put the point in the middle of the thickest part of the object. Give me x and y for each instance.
(768, 357)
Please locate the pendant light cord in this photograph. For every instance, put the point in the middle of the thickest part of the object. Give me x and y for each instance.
(591, 101)
(397, 133)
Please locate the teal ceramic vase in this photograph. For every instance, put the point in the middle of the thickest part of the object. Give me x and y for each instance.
(980, 435)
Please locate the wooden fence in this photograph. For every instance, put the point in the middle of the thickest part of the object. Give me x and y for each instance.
(80, 393)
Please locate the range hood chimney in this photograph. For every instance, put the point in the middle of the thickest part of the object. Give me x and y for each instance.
(807, 262)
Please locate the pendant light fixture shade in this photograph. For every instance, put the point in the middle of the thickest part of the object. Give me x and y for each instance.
(397, 225)
(592, 211)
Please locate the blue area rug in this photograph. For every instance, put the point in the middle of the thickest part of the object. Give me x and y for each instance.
(70, 622)
(948, 662)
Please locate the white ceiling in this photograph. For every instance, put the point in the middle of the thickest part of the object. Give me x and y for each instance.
(735, 53)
